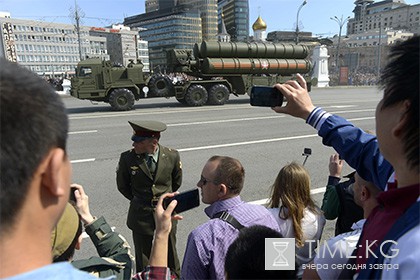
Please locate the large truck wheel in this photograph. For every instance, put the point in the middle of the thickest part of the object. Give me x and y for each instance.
(182, 101)
(121, 99)
(160, 86)
(196, 95)
(218, 95)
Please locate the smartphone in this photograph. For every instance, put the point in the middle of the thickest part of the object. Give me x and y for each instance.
(72, 196)
(186, 201)
(266, 96)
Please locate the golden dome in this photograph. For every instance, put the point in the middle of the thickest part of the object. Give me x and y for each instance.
(259, 24)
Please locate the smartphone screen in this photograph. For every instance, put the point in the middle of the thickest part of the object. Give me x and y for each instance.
(186, 201)
(265, 96)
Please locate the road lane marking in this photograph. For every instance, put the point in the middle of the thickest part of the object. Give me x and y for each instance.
(83, 132)
(163, 111)
(225, 121)
(318, 190)
(82, 160)
(352, 111)
(246, 143)
(102, 115)
(342, 106)
(361, 119)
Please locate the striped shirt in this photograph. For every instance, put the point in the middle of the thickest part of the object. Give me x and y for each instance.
(154, 273)
(207, 244)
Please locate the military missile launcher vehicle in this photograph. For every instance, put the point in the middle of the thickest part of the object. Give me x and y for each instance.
(207, 74)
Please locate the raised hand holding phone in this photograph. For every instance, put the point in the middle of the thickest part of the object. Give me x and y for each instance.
(186, 200)
(266, 96)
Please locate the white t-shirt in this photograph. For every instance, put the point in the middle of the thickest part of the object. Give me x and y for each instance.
(312, 227)
(329, 260)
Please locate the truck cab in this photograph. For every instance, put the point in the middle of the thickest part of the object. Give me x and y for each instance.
(88, 82)
(100, 80)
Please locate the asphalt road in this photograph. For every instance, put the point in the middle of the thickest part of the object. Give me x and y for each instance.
(261, 139)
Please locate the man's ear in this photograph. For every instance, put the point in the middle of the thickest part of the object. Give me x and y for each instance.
(223, 190)
(399, 129)
(54, 171)
(365, 193)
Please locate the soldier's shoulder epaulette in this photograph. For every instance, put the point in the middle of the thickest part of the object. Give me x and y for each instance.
(169, 149)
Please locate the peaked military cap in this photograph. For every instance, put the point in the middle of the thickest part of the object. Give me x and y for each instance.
(65, 231)
(146, 129)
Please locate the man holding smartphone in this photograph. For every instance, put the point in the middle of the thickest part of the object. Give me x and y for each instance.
(221, 182)
(114, 252)
(144, 173)
(392, 156)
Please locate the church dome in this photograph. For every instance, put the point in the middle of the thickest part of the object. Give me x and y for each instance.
(259, 24)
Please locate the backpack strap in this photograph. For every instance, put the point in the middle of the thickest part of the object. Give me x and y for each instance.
(225, 216)
(405, 223)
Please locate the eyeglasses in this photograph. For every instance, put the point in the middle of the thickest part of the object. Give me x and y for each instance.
(203, 181)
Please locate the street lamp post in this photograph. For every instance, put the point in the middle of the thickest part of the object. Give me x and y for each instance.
(297, 21)
(77, 18)
(341, 23)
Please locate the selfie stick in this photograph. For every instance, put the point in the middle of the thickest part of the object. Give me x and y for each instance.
(305, 159)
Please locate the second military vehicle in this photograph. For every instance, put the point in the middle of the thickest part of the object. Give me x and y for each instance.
(207, 74)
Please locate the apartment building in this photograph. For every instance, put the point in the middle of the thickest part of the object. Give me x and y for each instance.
(47, 48)
(376, 26)
(121, 42)
(392, 14)
(54, 49)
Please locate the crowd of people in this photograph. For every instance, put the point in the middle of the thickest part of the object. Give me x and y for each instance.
(362, 76)
(43, 214)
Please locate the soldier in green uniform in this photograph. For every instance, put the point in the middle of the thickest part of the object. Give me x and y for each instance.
(114, 257)
(144, 173)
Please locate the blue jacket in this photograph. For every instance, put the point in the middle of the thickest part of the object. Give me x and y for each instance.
(358, 148)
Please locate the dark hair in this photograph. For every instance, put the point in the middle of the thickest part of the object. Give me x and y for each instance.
(400, 81)
(230, 172)
(245, 258)
(33, 121)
